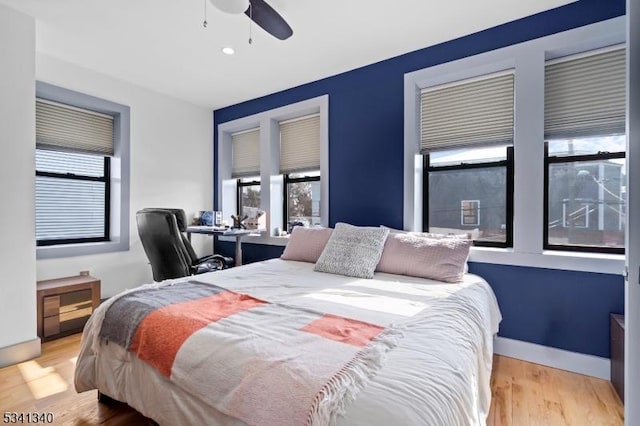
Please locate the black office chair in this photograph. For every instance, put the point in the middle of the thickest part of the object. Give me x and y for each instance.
(169, 251)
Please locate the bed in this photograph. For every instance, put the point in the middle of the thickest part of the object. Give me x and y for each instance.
(434, 370)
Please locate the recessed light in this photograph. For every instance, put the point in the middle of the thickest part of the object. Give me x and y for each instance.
(228, 50)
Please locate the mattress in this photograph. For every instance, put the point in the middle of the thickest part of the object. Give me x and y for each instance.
(438, 374)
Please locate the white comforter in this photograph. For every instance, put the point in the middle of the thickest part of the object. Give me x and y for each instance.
(438, 374)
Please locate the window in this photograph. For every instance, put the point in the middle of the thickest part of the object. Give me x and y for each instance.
(299, 156)
(466, 130)
(87, 129)
(248, 194)
(470, 192)
(73, 148)
(301, 199)
(546, 217)
(72, 197)
(293, 144)
(585, 207)
(585, 194)
(246, 168)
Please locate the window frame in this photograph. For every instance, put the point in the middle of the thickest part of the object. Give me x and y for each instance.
(242, 184)
(559, 159)
(286, 180)
(120, 173)
(106, 178)
(507, 163)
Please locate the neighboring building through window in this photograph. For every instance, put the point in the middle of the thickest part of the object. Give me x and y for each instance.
(248, 195)
(585, 193)
(585, 166)
(301, 200)
(73, 158)
(469, 192)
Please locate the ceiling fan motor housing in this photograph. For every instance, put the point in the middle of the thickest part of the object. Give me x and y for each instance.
(231, 6)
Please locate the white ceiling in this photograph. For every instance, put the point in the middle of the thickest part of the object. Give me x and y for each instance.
(161, 44)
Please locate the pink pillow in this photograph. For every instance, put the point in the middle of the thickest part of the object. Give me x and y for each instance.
(306, 244)
(442, 259)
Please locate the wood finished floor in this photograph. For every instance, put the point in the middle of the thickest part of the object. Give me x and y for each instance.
(523, 394)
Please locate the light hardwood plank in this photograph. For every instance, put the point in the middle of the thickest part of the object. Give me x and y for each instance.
(524, 394)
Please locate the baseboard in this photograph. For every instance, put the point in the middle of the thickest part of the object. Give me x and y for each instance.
(589, 365)
(19, 352)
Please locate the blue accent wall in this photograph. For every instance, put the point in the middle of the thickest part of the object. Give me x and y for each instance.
(563, 309)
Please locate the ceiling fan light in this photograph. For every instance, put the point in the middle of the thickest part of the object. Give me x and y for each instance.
(231, 6)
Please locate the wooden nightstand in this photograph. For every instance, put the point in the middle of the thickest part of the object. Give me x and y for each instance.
(65, 304)
(617, 354)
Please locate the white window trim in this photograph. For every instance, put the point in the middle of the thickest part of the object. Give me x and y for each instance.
(120, 173)
(529, 60)
(271, 193)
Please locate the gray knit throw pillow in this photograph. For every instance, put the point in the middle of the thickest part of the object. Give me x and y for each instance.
(353, 251)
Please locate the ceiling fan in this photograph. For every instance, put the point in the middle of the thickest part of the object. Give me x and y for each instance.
(259, 12)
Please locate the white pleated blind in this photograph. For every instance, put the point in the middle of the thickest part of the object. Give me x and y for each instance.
(468, 113)
(585, 96)
(300, 144)
(246, 153)
(60, 127)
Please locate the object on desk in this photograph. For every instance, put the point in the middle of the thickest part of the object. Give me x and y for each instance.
(237, 222)
(257, 219)
(196, 219)
(206, 217)
(218, 218)
(293, 223)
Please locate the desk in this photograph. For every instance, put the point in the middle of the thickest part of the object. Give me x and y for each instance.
(213, 230)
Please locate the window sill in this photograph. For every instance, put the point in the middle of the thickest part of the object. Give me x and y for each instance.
(259, 239)
(551, 259)
(71, 250)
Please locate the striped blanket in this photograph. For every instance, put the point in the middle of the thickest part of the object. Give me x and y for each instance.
(263, 363)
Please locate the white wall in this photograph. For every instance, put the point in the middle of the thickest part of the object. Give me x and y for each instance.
(632, 294)
(17, 144)
(171, 166)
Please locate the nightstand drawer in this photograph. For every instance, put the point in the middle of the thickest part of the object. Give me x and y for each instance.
(51, 326)
(51, 306)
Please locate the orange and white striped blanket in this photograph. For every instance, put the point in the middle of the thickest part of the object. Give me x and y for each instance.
(263, 363)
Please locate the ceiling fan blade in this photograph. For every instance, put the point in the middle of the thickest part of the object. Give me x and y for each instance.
(268, 19)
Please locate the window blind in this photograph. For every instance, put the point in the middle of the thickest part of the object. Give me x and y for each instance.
(467, 113)
(300, 144)
(246, 153)
(69, 208)
(64, 128)
(585, 96)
